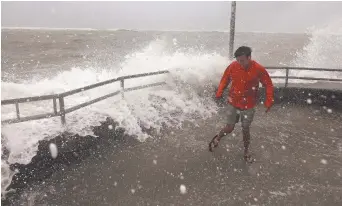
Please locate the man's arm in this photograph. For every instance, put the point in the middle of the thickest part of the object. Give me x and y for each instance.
(224, 82)
(266, 81)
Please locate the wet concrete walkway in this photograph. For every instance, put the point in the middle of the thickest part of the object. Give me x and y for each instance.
(298, 153)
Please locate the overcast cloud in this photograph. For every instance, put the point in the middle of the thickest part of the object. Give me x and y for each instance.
(251, 16)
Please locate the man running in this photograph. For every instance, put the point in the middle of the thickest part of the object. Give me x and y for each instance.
(245, 75)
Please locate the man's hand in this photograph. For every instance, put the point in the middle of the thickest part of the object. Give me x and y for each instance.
(268, 106)
(219, 101)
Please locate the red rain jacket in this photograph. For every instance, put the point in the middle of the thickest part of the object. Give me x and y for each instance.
(243, 93)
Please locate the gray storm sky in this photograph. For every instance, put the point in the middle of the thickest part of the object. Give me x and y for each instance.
(251, 16)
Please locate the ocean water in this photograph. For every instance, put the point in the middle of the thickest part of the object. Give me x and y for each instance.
(40, 62)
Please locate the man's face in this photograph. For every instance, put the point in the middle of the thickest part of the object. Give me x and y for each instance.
(243, 60)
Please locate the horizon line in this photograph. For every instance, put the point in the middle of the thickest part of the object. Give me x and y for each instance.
(118, 29)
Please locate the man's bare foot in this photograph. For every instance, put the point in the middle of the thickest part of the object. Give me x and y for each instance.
(248, 157)
(214, 143)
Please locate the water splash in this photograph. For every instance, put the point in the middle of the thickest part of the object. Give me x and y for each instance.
(322, 51)
(152, 107)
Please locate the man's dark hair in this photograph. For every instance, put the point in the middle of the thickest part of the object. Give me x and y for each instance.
(243, 50)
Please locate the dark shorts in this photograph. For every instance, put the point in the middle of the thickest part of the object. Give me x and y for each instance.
(234, 115)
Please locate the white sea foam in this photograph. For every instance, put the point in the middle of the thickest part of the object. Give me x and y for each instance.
(148, 107)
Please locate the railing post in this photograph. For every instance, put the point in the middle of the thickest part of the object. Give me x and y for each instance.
(54, 105)
(17, 110)
(62, 109)
(287, 77)
(122, 83)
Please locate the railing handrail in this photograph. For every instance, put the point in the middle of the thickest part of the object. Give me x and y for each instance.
(111, 81)
(63, 111)
(305, 68)
(74, 91)
(29, 99)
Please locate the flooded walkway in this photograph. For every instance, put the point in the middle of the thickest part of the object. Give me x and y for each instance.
(298, 153)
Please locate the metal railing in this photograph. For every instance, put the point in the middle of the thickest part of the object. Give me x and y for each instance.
(287, 77)
(62, 111)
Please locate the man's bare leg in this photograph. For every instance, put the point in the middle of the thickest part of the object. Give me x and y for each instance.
(225, 131)
(232, 119)
(246, 141)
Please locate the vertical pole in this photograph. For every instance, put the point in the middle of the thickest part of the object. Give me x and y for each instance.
(287, 77)
(122, 83)
(232, 30)
(62, 109)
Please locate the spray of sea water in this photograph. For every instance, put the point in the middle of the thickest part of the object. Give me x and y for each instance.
(192, 73)
(149, 107)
